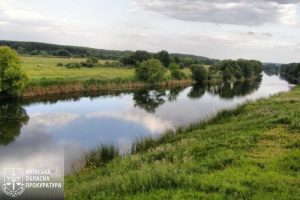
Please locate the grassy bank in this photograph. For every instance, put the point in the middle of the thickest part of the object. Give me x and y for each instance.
(251, 152)
(46, 78)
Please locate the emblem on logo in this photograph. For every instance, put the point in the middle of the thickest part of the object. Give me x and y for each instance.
(13, 182)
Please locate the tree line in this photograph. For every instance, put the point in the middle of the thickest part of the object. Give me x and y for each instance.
(239, 69)
(150, 69)
(153, 69)
(45, 49)
(166, 58)
(125, 57)
(291, 72)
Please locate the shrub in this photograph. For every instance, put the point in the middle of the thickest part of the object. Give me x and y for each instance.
(90, 62)
(12, 79)
(150, 71)
(200, 73)
(100, 156)
(59, 65)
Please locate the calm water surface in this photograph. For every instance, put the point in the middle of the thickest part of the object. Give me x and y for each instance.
(50, 133)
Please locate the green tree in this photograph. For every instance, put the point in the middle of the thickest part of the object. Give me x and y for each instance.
(238, 74)
(63, 53)
(176, 73)
(136, 57)
(226, 74)
(164, 58)
(187, 61)
(141, 56)
(175, 59)
(246, 67)
(200, 73)
(12, 79)
(150, 71)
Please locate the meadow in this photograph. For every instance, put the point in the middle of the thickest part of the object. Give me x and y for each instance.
(250, 152)
(46, 68)
(47, 78)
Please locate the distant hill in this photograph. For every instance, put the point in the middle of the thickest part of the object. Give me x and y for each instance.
(45, 49)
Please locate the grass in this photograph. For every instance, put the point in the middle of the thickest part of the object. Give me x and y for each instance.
(39, 68)
(100, 156)
(251, 152)
(46, 78)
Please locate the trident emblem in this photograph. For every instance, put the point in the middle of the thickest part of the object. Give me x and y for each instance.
(13, 182)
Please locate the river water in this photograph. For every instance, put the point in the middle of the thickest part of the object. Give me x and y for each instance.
(56, 132)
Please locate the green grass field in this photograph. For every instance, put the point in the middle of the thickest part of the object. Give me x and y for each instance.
(251, 152)
(46, 68)
(40, 67)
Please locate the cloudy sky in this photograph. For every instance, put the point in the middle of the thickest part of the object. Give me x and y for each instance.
(268, 30)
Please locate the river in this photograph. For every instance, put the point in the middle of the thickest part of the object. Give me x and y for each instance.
(56, 132)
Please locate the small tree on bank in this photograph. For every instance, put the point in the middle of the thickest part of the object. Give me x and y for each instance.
(150, 71)
(200, 73)
(12, 79)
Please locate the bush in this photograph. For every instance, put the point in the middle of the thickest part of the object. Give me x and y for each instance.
(175, 72)
(150, 71)
(59, 65)
(200, 73)
(73, 65)
(12, 79)
(90, 62)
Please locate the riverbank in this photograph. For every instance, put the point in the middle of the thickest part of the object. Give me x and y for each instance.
(251, 152)
(49, 76)
(95, 86)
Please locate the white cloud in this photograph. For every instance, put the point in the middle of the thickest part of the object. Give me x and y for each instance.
(217, 29)
(238, 12)
(19, 16)
(53, 119)
(152, 123)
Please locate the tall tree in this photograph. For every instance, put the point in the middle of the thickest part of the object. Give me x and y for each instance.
(164, 57)
(12, 78)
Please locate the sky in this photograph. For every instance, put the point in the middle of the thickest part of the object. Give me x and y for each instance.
(267, 30)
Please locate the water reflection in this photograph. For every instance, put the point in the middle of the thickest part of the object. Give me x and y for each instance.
(12, 117)
(197, 91)
(149, 100)
(81, 123)
(231, 90)
(174, 93)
